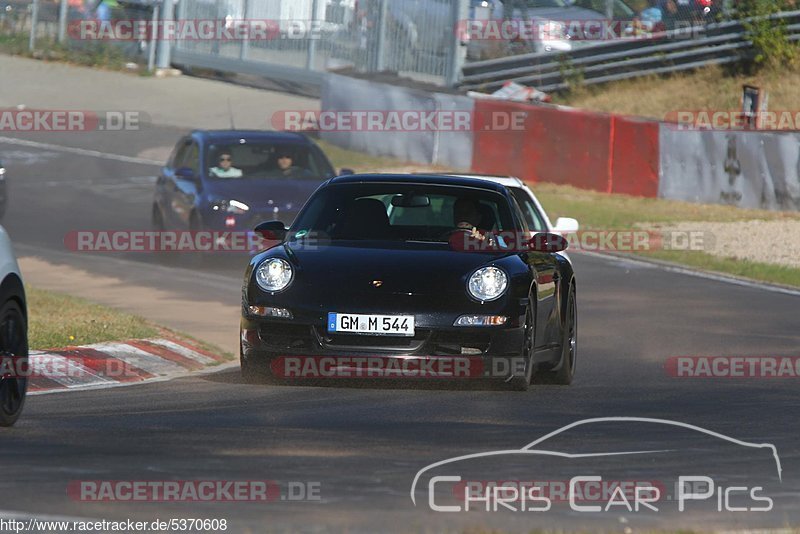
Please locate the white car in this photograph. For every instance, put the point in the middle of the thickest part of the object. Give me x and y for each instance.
(535, 216)
(13, 335)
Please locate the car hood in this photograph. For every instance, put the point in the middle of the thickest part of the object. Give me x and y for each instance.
(431, 268)
(263, 194)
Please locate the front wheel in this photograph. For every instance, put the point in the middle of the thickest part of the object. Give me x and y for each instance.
(521, 379)
(14, 353)
(564, 374)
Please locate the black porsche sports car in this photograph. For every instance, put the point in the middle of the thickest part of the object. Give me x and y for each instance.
(368, 279)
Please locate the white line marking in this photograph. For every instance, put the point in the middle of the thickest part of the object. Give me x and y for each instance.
(717, 277)
(79, 151)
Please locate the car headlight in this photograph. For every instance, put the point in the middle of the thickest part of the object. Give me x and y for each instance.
(487, 283)
(274, 274)
(230, 206)
(2, 171)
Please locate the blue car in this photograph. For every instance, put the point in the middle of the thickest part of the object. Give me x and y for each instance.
(232, 179)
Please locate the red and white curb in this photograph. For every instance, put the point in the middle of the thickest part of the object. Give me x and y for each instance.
(103, 365)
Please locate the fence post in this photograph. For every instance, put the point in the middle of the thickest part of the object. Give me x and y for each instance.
(380, 61)
(167, 13)
(246, 41)
(311, 50)
(151, 48)
(455, 55)
(62, 22)
(34, 24)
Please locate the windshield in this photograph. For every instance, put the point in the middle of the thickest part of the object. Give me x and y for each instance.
(266, 160)
(401, 212)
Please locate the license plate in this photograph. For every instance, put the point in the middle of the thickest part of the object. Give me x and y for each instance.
(386, 325)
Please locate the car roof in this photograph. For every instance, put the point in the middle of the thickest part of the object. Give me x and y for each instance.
(508, 181)
(252, 135)
(434, 179)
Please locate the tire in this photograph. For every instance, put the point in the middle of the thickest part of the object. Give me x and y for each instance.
(565, 372)
(251, 374)
(14, 346)
(156, 219)
(522, 381)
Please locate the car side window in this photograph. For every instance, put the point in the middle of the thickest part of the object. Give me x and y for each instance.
(179, 154)
(519, 216)
(192, 158)
(529, 211)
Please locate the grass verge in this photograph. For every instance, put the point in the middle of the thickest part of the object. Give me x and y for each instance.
(601, 211)
(711, 88)
(57, 320)
(88, 54)
(361, 162)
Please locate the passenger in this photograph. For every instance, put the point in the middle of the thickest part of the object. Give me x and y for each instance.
(226, 168)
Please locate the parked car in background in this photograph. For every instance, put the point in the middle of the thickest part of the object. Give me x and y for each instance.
(234, 179)
(13, 335)
(535, 216)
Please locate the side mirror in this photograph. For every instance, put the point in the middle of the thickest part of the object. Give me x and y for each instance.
(548, 242)
(566, 225)
(185, 172)
(271, 230)
(345, 172)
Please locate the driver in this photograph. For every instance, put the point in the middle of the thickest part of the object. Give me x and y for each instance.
(286, 166)
(467, 217)
(225, 169)
(466, 235)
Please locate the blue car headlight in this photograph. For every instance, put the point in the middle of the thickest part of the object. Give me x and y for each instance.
(274, 274)
(230, 206)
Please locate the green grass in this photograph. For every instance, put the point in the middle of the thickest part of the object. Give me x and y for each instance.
(97, 55)
(604, 211)
(359, 161)
(601, 211)
(56, 320)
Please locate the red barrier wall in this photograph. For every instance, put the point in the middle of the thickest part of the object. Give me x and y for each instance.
(635, 157)
(588, 150)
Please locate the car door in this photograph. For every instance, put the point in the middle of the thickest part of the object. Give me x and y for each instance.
(187, 182)
(165, 183)
(544, 268)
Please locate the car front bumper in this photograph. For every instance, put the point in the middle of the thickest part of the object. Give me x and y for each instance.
(436, 351)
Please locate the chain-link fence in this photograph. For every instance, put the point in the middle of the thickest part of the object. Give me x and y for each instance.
(429, 40)
(412, 37)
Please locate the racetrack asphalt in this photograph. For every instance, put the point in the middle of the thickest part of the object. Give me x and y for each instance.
(363, 444)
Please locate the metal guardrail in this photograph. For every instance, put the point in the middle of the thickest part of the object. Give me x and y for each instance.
(666, 52)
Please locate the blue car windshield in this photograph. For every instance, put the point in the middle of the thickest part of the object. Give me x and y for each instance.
(401, 212)
(232, 160)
